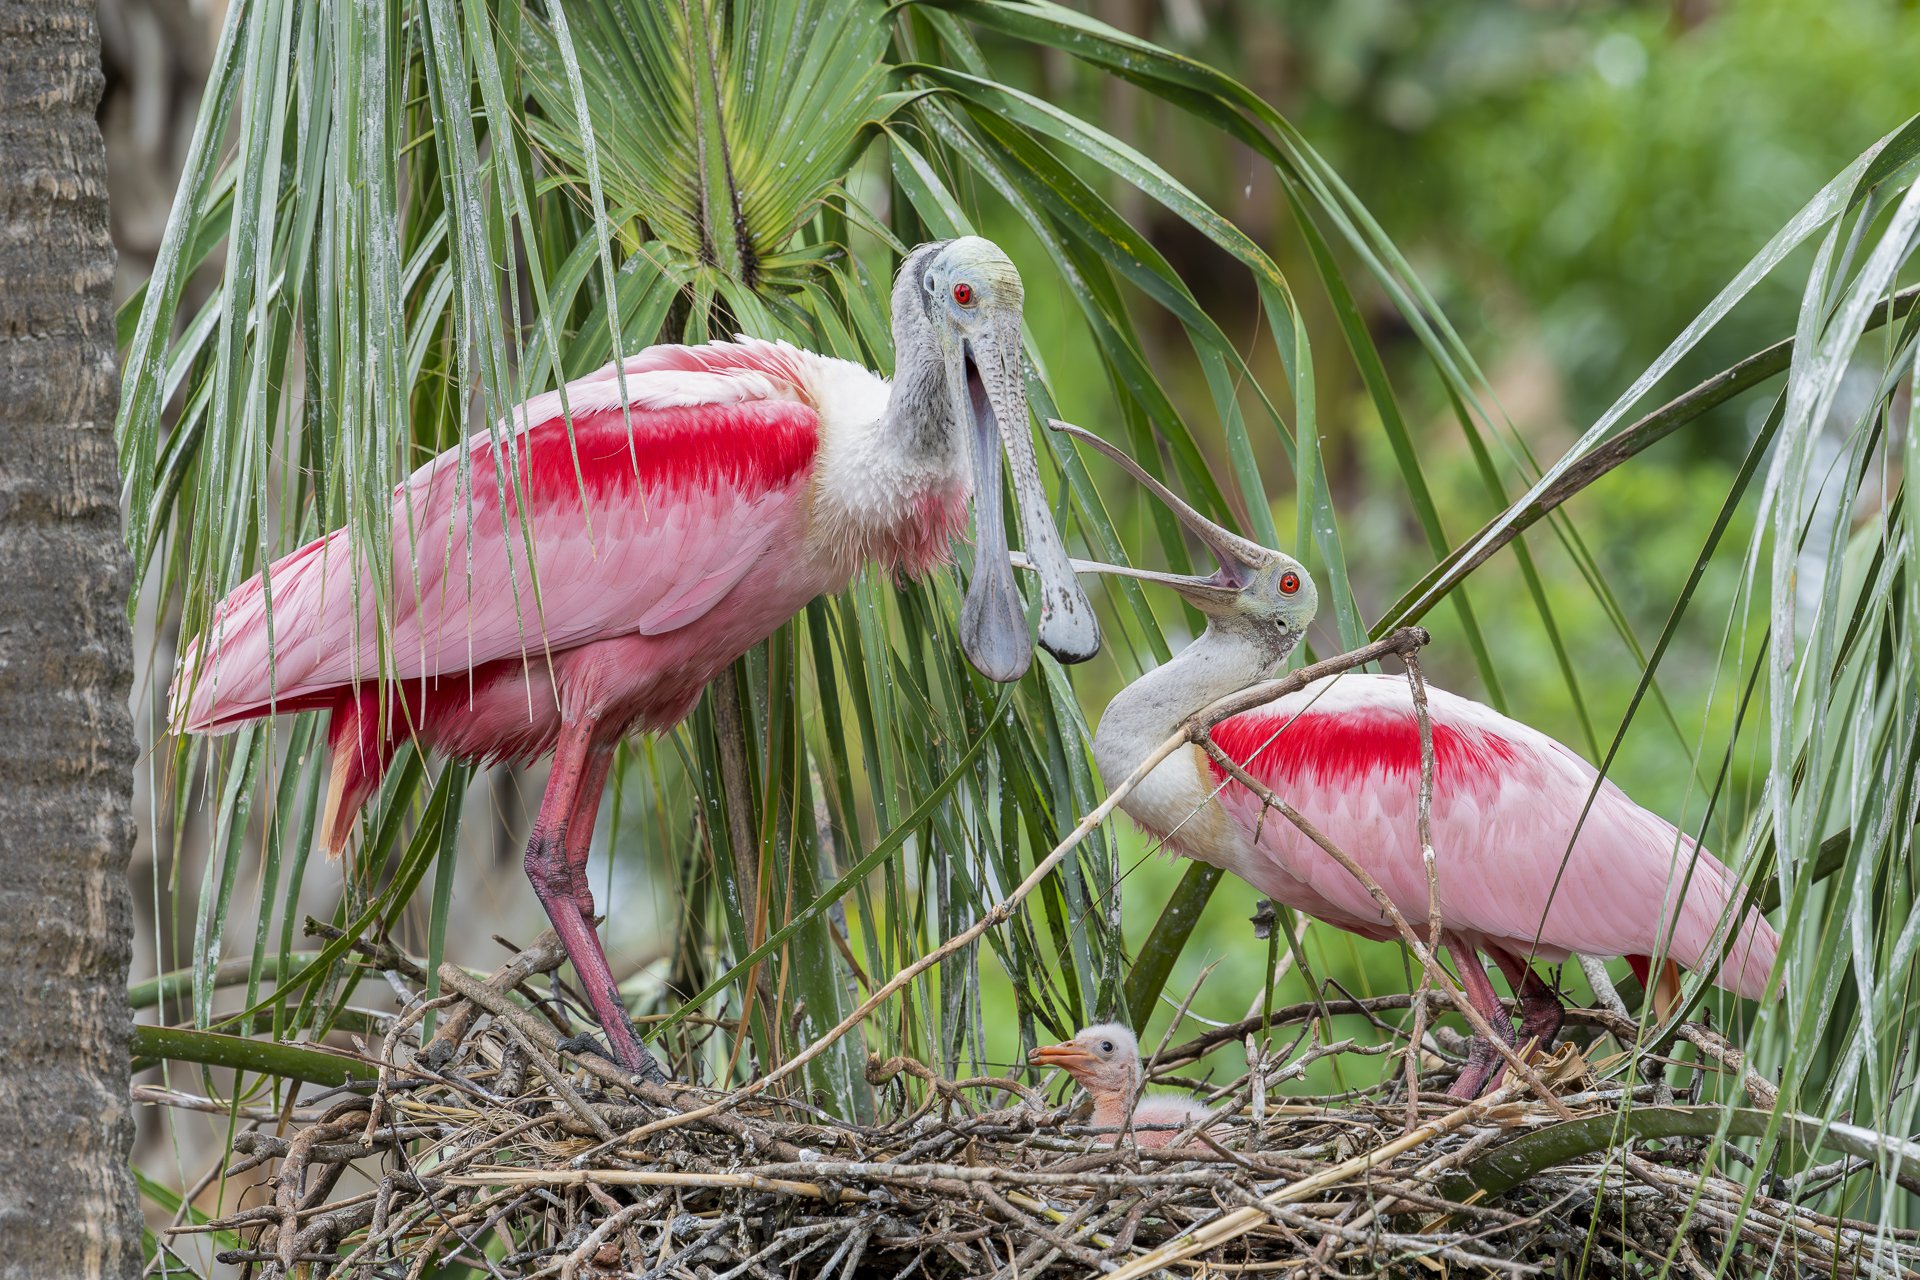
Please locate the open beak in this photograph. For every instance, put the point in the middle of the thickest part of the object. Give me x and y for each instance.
(985, 375)
(1069, 1057)
(1239, 558)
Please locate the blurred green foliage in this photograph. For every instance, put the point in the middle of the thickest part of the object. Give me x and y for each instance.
(1605, 167)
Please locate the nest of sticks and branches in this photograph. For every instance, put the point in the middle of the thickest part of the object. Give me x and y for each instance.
(504, 1146)
(500, 1147)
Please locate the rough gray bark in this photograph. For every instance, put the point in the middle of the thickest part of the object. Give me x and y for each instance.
(67, 1205)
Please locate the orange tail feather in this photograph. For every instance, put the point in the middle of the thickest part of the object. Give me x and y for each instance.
(1664, 989)
(362, 748)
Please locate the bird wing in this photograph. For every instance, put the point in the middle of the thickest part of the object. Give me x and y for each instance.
(1525, 845)
(638, 515)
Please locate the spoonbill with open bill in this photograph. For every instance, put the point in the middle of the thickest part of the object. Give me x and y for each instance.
(1536, 856)
(586, 570)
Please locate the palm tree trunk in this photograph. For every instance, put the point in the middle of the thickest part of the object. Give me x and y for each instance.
(67, 1205)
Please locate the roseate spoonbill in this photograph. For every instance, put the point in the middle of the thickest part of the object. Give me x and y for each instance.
(670, 514)
(1105, 1060)
(1525, 868)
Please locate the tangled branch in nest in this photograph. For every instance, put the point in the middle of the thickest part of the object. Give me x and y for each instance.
(494, 1148)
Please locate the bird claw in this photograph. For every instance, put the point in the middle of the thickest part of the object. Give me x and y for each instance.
(583, 1044)
(643, 1065)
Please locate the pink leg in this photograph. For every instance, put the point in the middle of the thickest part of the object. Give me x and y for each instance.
(1541, 1012)
(586, 810)
(1482, 1058)
(564, 826)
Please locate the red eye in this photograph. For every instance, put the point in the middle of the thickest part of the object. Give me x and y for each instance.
(963, 294)
(1289, 583)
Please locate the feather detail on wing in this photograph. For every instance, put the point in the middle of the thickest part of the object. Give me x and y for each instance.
(637, 515)
(1530, 853)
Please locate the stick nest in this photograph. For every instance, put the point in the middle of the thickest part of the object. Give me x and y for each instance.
(500, 1147)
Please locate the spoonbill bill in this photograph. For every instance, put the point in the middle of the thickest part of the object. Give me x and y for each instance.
(1105, 1060)
(1536, 856)
(585, 570)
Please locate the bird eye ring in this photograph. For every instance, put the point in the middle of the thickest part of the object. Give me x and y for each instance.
(963, 294)
(1289, 583)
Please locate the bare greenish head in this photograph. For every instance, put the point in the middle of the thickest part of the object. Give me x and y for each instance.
(969, 297)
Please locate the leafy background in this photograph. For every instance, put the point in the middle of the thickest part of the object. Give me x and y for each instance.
(1356, 307)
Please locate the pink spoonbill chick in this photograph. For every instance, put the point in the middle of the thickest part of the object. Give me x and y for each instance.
(1105, 1060)
(584, 570)
(1537, 856)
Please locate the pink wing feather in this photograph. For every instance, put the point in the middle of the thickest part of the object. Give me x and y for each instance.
(640, 522)
(1507, 809)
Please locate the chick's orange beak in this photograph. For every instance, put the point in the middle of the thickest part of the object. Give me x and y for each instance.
(1069, 1057)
